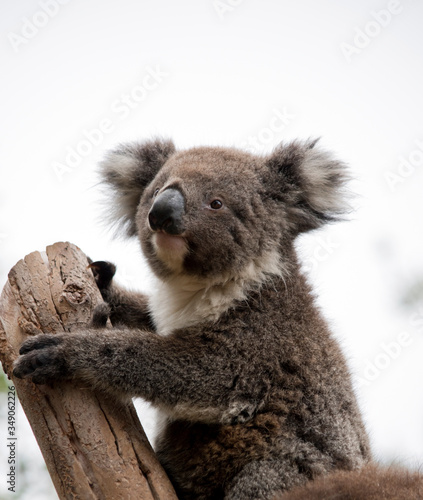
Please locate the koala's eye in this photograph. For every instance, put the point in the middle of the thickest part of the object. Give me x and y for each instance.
(156, 192)
(216, 204)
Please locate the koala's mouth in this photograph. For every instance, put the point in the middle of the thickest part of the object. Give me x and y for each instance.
(169, 242)
(170, 249)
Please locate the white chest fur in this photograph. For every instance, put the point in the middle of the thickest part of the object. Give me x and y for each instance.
(184, 301)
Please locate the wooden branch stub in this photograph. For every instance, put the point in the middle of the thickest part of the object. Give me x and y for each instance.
(94, 447)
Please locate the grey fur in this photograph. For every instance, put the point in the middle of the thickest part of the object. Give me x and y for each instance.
(256, 391)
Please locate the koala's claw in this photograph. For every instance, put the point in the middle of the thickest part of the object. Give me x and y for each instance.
(103, 273)
(41, 359)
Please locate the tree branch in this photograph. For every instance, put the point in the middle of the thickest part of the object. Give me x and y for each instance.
(94, 447)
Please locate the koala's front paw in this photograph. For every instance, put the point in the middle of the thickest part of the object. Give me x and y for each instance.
(103, 273)
(100, 315)
(42, 359)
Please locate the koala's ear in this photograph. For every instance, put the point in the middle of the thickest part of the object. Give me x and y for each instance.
(310, 182)
(127, 171)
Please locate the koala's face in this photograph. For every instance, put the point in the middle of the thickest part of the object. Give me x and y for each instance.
(205, 214)
(212, 212)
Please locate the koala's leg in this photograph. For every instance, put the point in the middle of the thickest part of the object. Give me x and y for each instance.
(263, 480)
(124, 307)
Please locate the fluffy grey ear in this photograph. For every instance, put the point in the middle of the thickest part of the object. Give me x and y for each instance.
(310, 182)
(127, 171)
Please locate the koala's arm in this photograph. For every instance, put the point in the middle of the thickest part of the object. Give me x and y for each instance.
(124, 308)
(191, 378)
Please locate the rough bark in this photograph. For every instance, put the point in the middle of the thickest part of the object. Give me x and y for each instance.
(94, 448)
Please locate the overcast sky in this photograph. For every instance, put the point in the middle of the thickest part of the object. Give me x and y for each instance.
(80, 77)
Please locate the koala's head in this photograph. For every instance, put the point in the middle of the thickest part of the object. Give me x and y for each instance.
(211, 212)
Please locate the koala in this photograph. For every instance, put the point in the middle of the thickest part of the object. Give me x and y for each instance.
(371, 482)
(254, 391)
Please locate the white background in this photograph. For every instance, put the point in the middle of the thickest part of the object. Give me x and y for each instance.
(226, 73)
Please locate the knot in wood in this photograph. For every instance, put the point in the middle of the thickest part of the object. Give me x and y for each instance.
(74, 294)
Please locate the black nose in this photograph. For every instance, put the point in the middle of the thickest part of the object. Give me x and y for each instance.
(167, 211)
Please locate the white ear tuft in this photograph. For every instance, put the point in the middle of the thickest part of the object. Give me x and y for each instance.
(323, 178)
(310, 181)
(127, 171)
